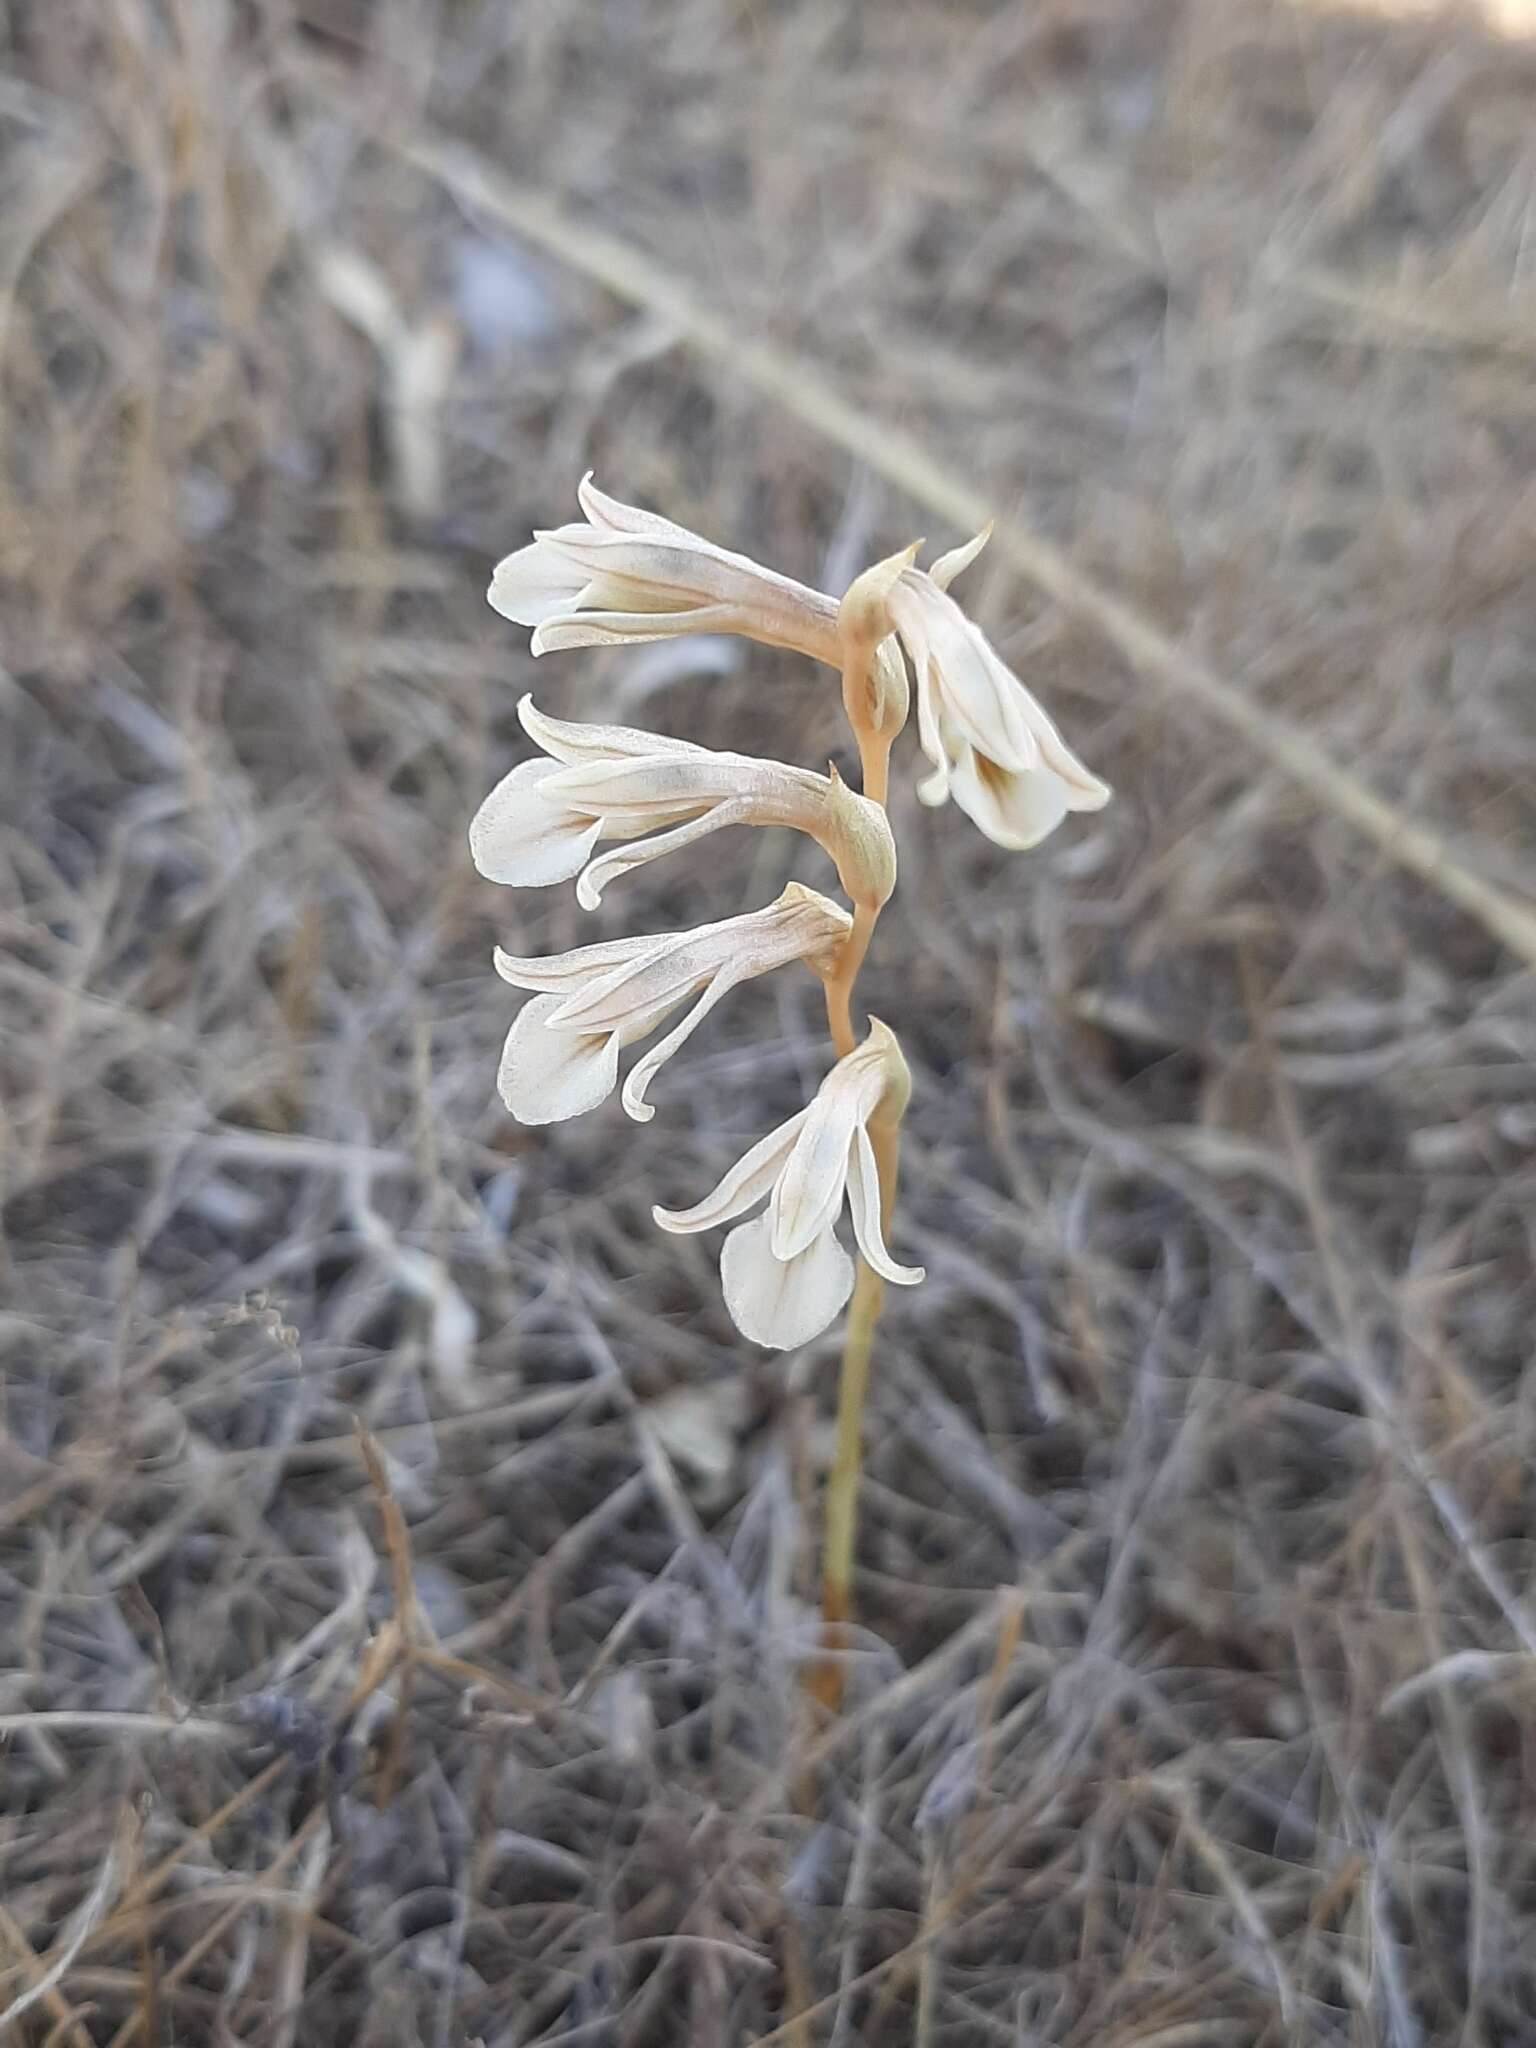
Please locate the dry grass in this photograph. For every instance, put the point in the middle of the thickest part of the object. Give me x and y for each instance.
(403, 1576)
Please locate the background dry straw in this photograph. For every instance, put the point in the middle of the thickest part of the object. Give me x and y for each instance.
(1195, 1703)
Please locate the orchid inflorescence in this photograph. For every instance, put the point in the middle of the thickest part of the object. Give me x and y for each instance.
(623, 575)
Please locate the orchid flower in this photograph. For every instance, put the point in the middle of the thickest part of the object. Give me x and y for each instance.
(784, 1274)
(562, 1054)
(626, 575)
(991, 744)
(542, 822)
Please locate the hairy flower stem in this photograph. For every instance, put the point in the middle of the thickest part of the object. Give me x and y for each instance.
(842, 1505)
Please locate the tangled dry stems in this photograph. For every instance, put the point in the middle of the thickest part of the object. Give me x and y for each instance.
(1193, 1697)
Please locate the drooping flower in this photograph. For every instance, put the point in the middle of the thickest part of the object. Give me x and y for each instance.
(562, 1054)
(992, 746)
(784, 1274)
(627, 575)
(542, 822)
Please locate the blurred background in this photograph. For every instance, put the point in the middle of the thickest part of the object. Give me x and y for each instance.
(1192, 1699)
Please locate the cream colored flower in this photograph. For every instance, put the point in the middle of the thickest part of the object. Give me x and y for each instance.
(562, 1054)
(785, 1275)
(991, 744)
(542, 822)
(628, 575)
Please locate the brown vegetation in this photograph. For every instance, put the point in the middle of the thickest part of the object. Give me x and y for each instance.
(405, 1579)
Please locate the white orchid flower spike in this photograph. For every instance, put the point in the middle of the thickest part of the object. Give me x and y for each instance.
(622, 575)
(541, 823)
(992, 746)
(562, 1054)
(785, 1275)
(625, 575)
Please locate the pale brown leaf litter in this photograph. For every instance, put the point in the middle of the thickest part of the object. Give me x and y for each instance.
(1195, 1695)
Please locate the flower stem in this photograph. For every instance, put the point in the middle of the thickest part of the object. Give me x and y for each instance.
(875, 759)
(843, 1486)
(840, 987)
(842, 1509)
(842, 1503)
(874, 762)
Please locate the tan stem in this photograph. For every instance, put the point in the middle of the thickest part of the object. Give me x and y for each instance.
(843, 1485)
(842, 1508)
(840, 986)
(874, 762)
(876, 759)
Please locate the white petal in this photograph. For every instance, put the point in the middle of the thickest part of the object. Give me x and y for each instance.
(668, 968)
(809, 1193)
(648, 786)
(864, 1203)
(629, 629)
(646, 572)
(612, 515)
(661, 977)
(1085, 790)
(1006, 723)
(948, 567)
(547, 1074)
(573, 972)
(593, 880)
(645, 1070)
(782, 1302)
(747, 1182)
(699, 564)
(986, 700)
(671, 966)
(1013, 809)
(1024, 736)
(572, 741)
(516, 836)
(974, 688)
(934, 788)
(535, 584)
